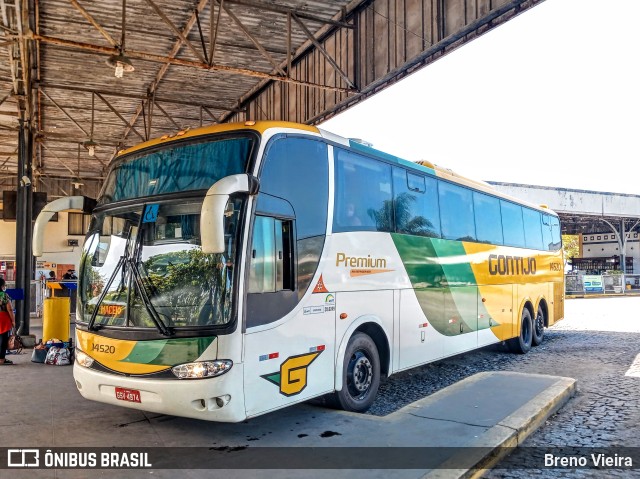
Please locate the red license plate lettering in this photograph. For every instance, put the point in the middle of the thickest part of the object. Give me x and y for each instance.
(131, 395)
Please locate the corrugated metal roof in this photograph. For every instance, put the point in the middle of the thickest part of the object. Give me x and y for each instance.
(74, 38)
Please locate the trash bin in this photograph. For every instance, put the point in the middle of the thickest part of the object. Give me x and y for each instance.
(55, 319)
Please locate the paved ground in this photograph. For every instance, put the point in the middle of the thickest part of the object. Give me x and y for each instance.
(455, 427)
(597, 344)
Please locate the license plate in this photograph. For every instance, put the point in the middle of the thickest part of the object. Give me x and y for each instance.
(131, 395)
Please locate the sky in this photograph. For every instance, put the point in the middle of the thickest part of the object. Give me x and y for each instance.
(550, 98)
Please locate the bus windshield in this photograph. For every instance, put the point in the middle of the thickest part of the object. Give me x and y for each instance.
(142, 267)
(177, 168)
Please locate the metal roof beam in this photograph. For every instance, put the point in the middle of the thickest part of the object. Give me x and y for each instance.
(215, 106)
(64, 112)
(187, 63)
(93, 22)
(15, 153)
(12, 63)
(119, 115)
(6, 97)
(286, 10)
(215, 118)
(25, 48)
(168, 116)
(213, 31)
(49, 188)
(60, 161)
(62, 138)
(151, 90)
(173, 28)
(264, 52)
(321, 49)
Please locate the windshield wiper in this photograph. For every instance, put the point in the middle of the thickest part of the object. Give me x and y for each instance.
(120, 264)
(153, 313)
(127, 260)
(137, 277)
(105, 290)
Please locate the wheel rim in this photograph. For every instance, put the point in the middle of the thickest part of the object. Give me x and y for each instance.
(359, 375)
(539, 324)
(526, 331)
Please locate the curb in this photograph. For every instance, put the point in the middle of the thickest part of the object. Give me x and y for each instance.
(509, 433)
(601, 295)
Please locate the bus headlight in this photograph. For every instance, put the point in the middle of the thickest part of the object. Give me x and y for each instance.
(83, 359)
(202, 369)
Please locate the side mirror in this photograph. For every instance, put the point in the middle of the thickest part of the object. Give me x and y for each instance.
(81, 203)
(213, 209)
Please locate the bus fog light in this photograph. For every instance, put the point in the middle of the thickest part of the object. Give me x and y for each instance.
(222, 401)
(83, 359)
(202, 369)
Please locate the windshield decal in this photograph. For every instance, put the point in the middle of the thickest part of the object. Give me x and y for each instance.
(150, 213)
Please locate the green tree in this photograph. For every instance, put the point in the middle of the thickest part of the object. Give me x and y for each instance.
(570, 246)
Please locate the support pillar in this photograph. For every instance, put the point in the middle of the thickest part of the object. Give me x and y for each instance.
(24, 227)
(623, 249)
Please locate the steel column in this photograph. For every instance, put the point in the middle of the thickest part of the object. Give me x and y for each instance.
(24, 227)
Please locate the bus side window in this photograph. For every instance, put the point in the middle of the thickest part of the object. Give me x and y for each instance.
(547, 240)
(488, 218)
(456, 212)
(271, 265)
(415, 204)
(556, 236)
(512, 224)
(363, 193)
(532, 228)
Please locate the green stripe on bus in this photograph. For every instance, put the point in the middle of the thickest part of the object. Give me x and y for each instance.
(444, 283)
(168, 351)
(391, 158)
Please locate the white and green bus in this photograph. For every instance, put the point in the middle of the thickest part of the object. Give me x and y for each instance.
(237, 269)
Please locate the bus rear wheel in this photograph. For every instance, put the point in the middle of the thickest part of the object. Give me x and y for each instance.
(360, 375)
(538, 328)
(522, 343)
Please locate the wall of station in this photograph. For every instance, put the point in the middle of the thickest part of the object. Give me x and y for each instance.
(56, 244)
(605, 244)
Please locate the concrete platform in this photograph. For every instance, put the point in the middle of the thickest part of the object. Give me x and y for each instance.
(460, 428)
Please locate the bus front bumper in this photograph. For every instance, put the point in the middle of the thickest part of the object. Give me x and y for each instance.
(214, 399)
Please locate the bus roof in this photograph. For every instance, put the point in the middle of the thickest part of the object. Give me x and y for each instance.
(357, 145)
(259, 126)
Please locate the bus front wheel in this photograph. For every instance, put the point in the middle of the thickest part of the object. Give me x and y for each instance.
(522, 343)
(360, 375)
(538, 328)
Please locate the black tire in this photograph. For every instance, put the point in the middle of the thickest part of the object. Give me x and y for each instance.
(360, 375)
(522, 343)
(538, 328)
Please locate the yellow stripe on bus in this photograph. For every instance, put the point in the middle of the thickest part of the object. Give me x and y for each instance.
(111, 353)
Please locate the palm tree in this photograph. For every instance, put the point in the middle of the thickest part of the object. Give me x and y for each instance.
(406, 221)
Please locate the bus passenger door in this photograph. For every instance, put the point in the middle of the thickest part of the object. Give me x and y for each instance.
(290, 332)
(288, 344)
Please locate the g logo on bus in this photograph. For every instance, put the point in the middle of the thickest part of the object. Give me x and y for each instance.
(292, 377)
